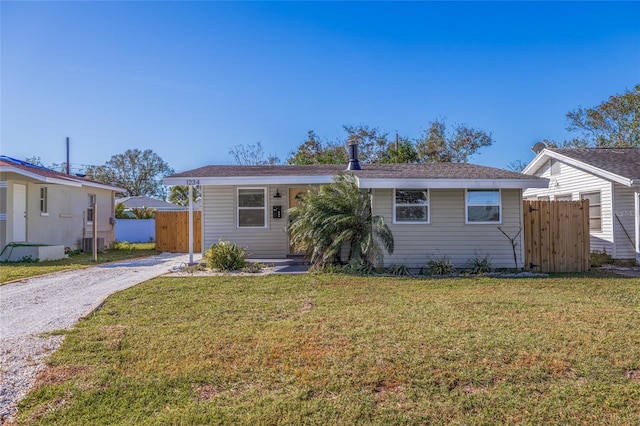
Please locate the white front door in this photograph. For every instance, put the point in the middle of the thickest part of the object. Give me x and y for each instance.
(19, 213)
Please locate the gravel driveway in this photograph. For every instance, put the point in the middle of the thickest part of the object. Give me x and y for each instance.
(39, 305)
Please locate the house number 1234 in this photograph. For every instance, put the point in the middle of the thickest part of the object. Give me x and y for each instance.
(193, 181)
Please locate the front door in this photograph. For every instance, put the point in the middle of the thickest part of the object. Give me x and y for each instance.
(294, 201)
(19, 213)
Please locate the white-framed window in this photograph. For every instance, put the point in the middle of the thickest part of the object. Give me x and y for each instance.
(563, 197)
(483, 206)
(252, 207)
(411, 206)
(595, 211)
(543, 198)
(91, 200)
(555, 167)
(44, 209)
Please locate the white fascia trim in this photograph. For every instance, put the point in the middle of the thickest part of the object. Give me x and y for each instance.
(454, 183)
(579, 164)
(249, 180)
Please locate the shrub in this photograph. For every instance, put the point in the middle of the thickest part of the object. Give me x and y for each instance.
(226, 256)
(121, 245)
(440, 266)
(400, 270)
(480, 265)
(599, 258)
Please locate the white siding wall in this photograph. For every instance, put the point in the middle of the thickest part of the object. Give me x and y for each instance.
(448, 235)
(624, 210)
(574, 181)
(220, 219)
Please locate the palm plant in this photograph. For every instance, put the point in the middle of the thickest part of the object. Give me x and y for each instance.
(337, 214)
(179, 195)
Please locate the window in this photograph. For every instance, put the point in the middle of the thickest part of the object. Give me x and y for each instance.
(252, 209)
(555, 167)
(411, 206)
(483, 206)
(563, 197)
(43, 201)
(595, 214)
(543, 198)
(90, 213)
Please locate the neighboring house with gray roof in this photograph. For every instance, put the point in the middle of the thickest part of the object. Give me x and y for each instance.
(144, 202)
(610, 179)
(43, 206)
(434, 210)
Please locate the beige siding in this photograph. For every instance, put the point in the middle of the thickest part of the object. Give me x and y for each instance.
(574, 181)
(624, 212)
(220, 222)
(448, 235)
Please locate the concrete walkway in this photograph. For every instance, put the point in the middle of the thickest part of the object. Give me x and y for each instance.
(33, 306)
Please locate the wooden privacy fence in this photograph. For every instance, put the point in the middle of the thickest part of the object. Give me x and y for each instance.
(556, 236)
(172, 231)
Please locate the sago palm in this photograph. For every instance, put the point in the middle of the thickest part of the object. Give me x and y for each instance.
(336, 215)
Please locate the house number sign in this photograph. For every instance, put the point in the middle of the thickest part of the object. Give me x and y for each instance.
(193, 181)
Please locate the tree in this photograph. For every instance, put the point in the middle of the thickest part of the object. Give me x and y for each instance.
(614, 123)
(516, 166)
(436, 146)
(337, 214)
(315, 151)
(252, 155)
(179, 194)
(402, 152)
(138, 172)
(372, 142)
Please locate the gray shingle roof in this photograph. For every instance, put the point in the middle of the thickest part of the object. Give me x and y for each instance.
(142, 201)
(624, 162)
(370, 171)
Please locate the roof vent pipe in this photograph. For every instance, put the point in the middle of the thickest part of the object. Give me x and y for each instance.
(352, 149)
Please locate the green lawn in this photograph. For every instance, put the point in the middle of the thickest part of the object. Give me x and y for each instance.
(18, 270)
(333, 349)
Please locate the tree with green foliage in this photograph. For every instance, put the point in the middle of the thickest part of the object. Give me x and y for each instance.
(138, 172)
(372, 142)
(615, 123)
(437, 146)
(401, 152)
(316, 151)
(337, 214)
(179, 195)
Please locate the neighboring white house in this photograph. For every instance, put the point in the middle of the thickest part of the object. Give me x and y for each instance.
(610, 179)
(144, 202)
(42, 206)
(434, 210)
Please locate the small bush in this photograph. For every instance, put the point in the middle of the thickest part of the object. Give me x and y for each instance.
(121, 245)
(400, 270)
(480, 265)
(440, 266)
(599, 258)
(226, 256)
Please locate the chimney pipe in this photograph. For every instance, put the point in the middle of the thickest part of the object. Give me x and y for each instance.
(352, 149)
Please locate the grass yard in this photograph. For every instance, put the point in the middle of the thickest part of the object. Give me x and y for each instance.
(334, 349)
(18, 270)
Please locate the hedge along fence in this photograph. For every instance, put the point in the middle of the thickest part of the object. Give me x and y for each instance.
(136, 230)
(172, 231)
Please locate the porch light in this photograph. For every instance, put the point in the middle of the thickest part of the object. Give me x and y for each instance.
(277, 194)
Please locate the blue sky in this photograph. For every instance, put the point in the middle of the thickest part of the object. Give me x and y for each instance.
(191, 80)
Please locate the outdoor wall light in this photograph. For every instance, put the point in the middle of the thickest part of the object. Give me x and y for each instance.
(277, 194)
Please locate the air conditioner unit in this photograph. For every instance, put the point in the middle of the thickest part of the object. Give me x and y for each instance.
(87, 245)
